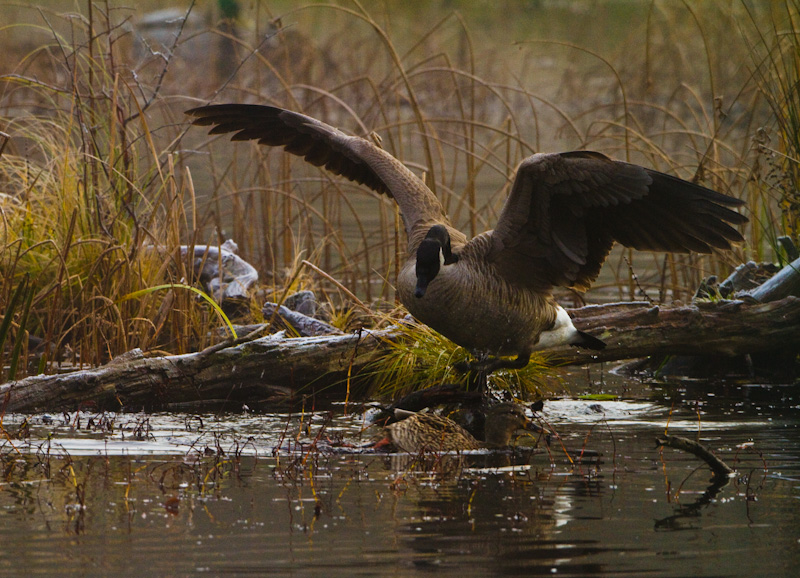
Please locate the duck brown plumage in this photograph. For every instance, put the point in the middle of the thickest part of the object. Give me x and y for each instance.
(432, 433)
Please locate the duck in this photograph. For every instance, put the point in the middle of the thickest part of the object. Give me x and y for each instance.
(415, 433)
(493, 293)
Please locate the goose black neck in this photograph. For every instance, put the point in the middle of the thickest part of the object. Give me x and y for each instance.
(433, 253)
(438, 234)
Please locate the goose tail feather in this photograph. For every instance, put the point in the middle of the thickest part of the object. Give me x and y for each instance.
(583, 339)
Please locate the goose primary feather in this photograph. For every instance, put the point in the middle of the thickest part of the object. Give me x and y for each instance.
(492, 294)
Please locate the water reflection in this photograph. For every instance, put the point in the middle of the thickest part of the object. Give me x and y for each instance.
(212, 494)
(685, 514)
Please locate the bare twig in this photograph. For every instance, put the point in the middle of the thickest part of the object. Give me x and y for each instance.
(721, 469)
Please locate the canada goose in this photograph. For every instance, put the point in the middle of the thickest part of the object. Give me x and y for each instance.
(493, 294)
(428, 432)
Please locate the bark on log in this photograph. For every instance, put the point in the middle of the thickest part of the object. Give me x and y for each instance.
(274, 366)
(726, 328)
(785, 282)
(241, 373)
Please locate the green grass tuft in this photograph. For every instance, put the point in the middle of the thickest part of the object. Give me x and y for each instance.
(422, 358)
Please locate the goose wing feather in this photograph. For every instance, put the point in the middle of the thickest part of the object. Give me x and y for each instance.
(322, 145)
(566, 210)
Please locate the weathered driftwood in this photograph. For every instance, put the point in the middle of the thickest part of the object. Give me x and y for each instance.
(750, 281)
(248, 370)
(760, 281)
(222, 272)
(720, 469)
(241, 373)
(726, 328)
(296, 322)
(785, 282)
(274, 366)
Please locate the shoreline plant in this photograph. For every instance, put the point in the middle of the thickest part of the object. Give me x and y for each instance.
(102, 181)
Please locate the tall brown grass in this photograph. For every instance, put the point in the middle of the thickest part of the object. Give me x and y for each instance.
(103, 180)
(775, 56)
(93, 210)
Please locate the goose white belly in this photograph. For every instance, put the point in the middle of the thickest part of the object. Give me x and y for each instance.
(562, 333)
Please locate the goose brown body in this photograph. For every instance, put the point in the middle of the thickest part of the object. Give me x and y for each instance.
(492, 294)
(496, 325)
(428, 432)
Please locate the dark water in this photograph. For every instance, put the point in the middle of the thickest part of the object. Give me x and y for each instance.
(167, 495)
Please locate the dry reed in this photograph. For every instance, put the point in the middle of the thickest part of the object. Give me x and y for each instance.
(103, 180)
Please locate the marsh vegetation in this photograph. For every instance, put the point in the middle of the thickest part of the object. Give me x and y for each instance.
(175, 494)
(103, 180)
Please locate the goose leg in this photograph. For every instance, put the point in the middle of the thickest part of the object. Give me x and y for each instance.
(478, 381)
(484, 365)
(487, 364)
(496, 363)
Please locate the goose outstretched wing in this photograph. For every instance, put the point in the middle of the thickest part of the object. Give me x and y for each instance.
(322, 145)
(565, 211)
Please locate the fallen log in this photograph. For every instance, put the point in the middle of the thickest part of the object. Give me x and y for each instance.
(784, 282)
(266, 368)
(274, 367)
(725, 328)
(752, 282)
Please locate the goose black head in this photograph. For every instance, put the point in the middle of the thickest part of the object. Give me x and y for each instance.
(433, 253)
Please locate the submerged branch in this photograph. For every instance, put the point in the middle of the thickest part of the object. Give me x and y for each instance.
(721, 469)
